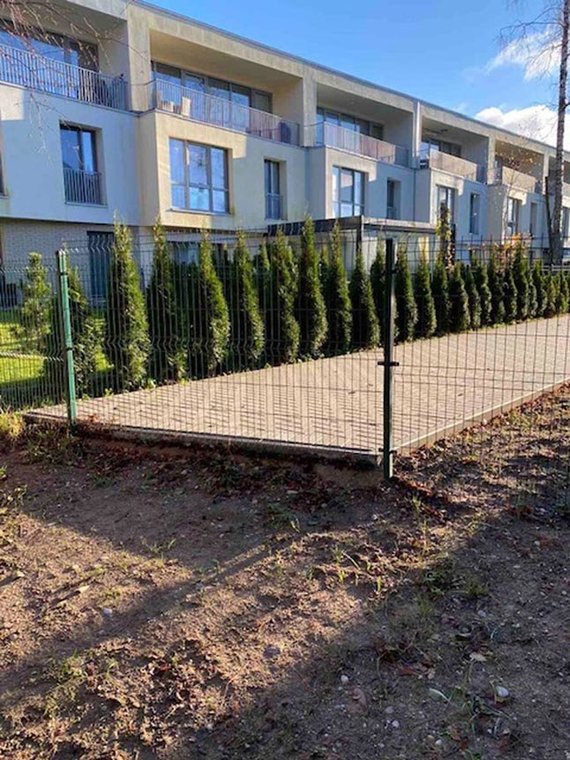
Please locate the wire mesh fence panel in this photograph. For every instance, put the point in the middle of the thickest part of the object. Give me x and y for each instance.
(485, 333)
(236, 337)
(31, 362)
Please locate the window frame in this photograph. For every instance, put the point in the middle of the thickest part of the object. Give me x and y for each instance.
(475, 214)
(513, 220)
(396, 196)
(338, 203)
(533, 219)
(451, 192)
(272, 174)
(188, 185)
(348, 121)
(93, 140)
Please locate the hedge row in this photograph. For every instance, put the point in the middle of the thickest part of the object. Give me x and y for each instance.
(227, 315)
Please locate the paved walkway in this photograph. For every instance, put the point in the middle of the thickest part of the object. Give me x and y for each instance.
(441, 386)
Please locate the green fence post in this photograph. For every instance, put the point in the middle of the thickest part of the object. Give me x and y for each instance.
(63, 302)
(389, 363)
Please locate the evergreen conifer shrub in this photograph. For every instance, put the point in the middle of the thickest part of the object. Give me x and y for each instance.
(365, 328)
(127, 344)
(426, 318)
(311, 308)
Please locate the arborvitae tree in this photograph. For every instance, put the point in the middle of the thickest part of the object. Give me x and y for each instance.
(549, 294)
(485, 298)
(378, 283)
(324, 261)
(532, 295)
(211, 321)
(440, 290)
(539, 285)
(473, 297)
(511, 295)
(84, 338)
(167, 358)
(520, 269)
(365, 328)
(126, 327)
(445, 233)
(562, 294)
(311, 308)
(262, 273)
(407, 313)
(426, 318)
(459, 304)
(497, 288)
(247, 328)
(282, 329)
(34, 315)
(337, 298)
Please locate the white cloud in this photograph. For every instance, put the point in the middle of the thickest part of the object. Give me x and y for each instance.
(537, 122)
(537, 53)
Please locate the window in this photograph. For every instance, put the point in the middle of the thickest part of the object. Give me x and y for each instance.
(431, 144)
(184, 252)
(474, 211)
(513, 216)
(565, 222)
(199, 177)
(353, 123)
(445, 197)
(273, 200)
(82, 181)
(392, 199)
(220, 88)
(348, 192)
(533, 227)
(50, 45)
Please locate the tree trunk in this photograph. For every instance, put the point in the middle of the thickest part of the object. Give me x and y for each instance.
(559, 164)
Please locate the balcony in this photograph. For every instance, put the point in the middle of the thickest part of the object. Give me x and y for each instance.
(504, 175)
(210, 109)
(28, 69)
(445, 162)
(82, 187)
(334, 136)
(273, 206)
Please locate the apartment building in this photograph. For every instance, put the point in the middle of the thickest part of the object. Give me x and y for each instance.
(114, 109)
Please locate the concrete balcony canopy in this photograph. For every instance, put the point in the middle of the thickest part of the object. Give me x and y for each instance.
(285, 89)
(519, 167)
(447, 147)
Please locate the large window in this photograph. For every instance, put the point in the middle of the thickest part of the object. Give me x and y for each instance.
(348, 192)
(273, 199)
(433, 144)
(565, 223)
(474, 213)
(50, 45)
(513, 216)
(82, 180)
(445, 197)
(200, 83)
(533, 227)
(353, 123)
(199, 177)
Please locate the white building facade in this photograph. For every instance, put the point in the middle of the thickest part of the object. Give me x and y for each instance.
(116, 109)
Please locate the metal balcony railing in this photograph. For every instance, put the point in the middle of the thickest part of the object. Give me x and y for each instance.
(504, 175)
(273, 206)
(334, 136)
(435, 159)
(82, 187)
(28, 69)
(210, 109)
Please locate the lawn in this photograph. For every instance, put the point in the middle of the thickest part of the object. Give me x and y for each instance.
(179, 604)
(21, 382)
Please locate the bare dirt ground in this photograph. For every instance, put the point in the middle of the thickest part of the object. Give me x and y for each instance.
(162, 603)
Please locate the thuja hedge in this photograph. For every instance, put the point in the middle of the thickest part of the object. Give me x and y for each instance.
(232, 312)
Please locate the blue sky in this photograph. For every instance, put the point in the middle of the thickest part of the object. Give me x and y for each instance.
(440, 50)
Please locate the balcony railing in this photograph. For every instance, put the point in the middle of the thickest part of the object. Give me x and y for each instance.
(210, 109)
(28, 69)
(435, 159)
(504, 175)
(82, 187)
(334, 136)
(273, 206)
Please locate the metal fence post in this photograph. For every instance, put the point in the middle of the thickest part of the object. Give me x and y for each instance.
(65, 315)
(389, 363)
